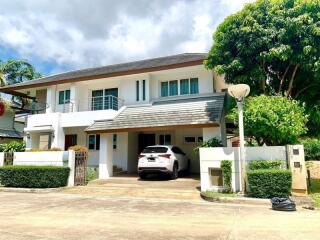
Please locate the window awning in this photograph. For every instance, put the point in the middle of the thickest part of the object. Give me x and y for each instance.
(199, 111)
(10, 133)
(46, 128)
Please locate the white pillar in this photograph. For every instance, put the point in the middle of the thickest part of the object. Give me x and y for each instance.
(105, 156)
(213, 132)
(71, 165)
(242, 153)
(51, 99)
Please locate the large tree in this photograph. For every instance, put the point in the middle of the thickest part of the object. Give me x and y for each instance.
(273, 46)
(16, 71)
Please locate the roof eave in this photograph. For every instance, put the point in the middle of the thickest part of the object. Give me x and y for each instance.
(27, 85)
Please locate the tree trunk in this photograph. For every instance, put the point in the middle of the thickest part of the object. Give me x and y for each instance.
(263, 86)
(282, 79)
(292, 79)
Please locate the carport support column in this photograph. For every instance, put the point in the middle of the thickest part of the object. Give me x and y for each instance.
(105, 156)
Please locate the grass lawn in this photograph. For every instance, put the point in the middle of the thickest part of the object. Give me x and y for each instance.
(314, 191)
(218, 194)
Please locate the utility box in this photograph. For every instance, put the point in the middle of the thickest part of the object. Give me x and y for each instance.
(296, 163)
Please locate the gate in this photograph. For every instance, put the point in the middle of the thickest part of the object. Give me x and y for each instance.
(8, 158)
(80, 171)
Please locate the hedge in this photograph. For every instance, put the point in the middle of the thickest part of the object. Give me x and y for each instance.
(226, 167)
(34, 176)
(264, 164)
(268, 183)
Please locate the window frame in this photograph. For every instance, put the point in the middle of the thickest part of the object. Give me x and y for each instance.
(96, 143)
(64, 96)
(197, 139)
(137, 91)
(191, 91)
(165, 135)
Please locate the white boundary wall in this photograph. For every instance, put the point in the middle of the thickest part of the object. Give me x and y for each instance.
(43, 158)
(212, 157)
(1, 159)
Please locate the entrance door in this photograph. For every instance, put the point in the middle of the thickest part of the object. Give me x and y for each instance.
(70, 140)
(146, 140)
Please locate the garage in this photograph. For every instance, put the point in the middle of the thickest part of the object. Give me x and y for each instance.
(182, 123)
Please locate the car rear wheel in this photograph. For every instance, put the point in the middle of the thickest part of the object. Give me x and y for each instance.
(174, 174)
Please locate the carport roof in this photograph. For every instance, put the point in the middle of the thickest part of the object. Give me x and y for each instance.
(198, 111)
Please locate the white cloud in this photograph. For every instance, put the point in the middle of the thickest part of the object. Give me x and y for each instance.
(79, 34)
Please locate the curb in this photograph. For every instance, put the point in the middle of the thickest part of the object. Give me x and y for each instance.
(31, 190)
(237, 200)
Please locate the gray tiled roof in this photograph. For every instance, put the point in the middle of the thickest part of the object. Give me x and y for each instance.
(192, 111)
(10, 133)
(116, 68)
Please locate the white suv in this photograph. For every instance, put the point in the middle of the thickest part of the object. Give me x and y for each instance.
(162, 159)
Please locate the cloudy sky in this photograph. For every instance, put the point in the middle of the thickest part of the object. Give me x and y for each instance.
(60, 35)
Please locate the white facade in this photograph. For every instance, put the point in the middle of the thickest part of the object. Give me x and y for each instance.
(73, 116)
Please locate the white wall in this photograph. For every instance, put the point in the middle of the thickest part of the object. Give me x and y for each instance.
(212, 157)
(50, 158)
(1, 159)
(189, 148)
(120, 154)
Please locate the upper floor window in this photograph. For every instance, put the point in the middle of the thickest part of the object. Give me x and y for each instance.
(137, 90)
(143, 84)
(182, 87)
(105, 99)
(64, 96)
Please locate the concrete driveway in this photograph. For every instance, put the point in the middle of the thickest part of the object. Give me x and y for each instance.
(155, 187)
(81, 213)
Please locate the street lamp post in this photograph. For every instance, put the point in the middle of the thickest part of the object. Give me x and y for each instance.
(239, 92)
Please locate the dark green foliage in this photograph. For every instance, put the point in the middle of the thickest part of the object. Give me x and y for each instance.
(14, 146)
(34, 176)
(226, 167)
(268, 183)
(213, 142)
(311, 148)
(314, 120)
(273, 120)
(265, 164)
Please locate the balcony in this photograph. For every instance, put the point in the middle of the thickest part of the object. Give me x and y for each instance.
(107, 102)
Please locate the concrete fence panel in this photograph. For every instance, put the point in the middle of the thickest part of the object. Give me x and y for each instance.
(44, 158)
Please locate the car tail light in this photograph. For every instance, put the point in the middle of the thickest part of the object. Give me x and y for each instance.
(165, 155)
(141, 156)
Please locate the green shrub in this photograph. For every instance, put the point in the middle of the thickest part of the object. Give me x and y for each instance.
(268, 183)
(213, 142)
(311, 148)
(92, 174)
(34, 176)
(78, 148)
(265, 164)
(226, 167)
(13, 146)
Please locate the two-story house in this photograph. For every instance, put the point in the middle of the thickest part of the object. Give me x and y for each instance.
(117, 110)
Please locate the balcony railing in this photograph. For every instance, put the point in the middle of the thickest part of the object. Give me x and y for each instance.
(92, 104)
